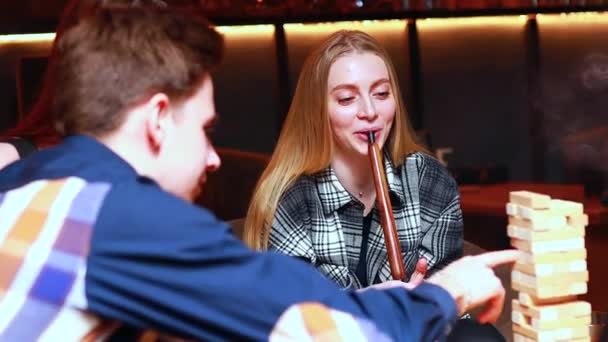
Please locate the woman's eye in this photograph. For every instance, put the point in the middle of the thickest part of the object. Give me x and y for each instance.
(345, 100)
(383, 94)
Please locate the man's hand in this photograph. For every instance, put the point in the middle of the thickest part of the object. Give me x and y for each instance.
(472, 282)
(8, 154)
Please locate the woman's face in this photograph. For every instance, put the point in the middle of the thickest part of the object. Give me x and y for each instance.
(360, 100)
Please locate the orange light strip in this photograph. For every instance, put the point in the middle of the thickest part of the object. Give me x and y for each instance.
(48, 37)
(442, 23)
(26, 38)
(567, 18)
(246, 29)
(365, 25)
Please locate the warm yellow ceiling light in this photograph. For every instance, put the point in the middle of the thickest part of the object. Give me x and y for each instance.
(580, 17)
(26, 38)
(508, 20)
(365, 25)
(246, 29)
(48, 37)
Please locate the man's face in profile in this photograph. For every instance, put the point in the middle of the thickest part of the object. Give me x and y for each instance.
(189, 153)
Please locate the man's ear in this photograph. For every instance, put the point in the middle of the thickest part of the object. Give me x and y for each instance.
(158, 119)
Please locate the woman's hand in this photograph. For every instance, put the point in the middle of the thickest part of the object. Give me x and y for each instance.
(418, 276)
(416, 279)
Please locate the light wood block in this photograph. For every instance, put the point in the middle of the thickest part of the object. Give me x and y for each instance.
(562, 334)
(533, 235)
(551, 268)
(567, 208)
(549, 280)
(545, 218)
(548, 246)
(554, 257)
(536, 219)
(553, 291)
(541, 215)
(530, 300)
(530, 199)
(569, 309)
(522, 338)
(539, 324)
(578, 220)
(516, 220)
(512, 209)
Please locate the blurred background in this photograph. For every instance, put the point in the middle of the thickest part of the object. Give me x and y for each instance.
(510, 90)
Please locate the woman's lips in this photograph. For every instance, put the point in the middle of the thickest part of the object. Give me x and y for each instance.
(363, 134)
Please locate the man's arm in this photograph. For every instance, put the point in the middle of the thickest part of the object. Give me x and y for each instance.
(156, 262)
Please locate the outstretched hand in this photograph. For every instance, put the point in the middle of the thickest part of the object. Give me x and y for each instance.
(472, 282)
(8, 154)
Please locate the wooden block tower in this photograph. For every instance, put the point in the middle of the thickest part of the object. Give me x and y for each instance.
(551, 233)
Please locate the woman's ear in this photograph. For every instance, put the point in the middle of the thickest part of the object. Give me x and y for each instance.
(158, 120)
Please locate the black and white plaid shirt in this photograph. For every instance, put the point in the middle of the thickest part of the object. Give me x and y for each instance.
(318, 220)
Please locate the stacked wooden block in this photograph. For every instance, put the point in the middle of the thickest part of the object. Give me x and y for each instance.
(551, 233)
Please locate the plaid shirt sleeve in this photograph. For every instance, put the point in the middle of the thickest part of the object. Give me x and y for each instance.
(440, 214)
(288, 233)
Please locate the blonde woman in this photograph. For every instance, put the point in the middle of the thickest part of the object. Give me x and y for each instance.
(316, 200)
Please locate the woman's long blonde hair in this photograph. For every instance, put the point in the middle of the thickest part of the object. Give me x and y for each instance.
(305, 145)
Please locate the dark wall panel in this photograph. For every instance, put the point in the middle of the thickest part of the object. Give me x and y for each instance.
(574, 101)
(474, 79)
(246, 90)
(10, 54)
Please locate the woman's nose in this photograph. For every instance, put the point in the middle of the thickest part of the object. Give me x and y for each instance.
(367, 110)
